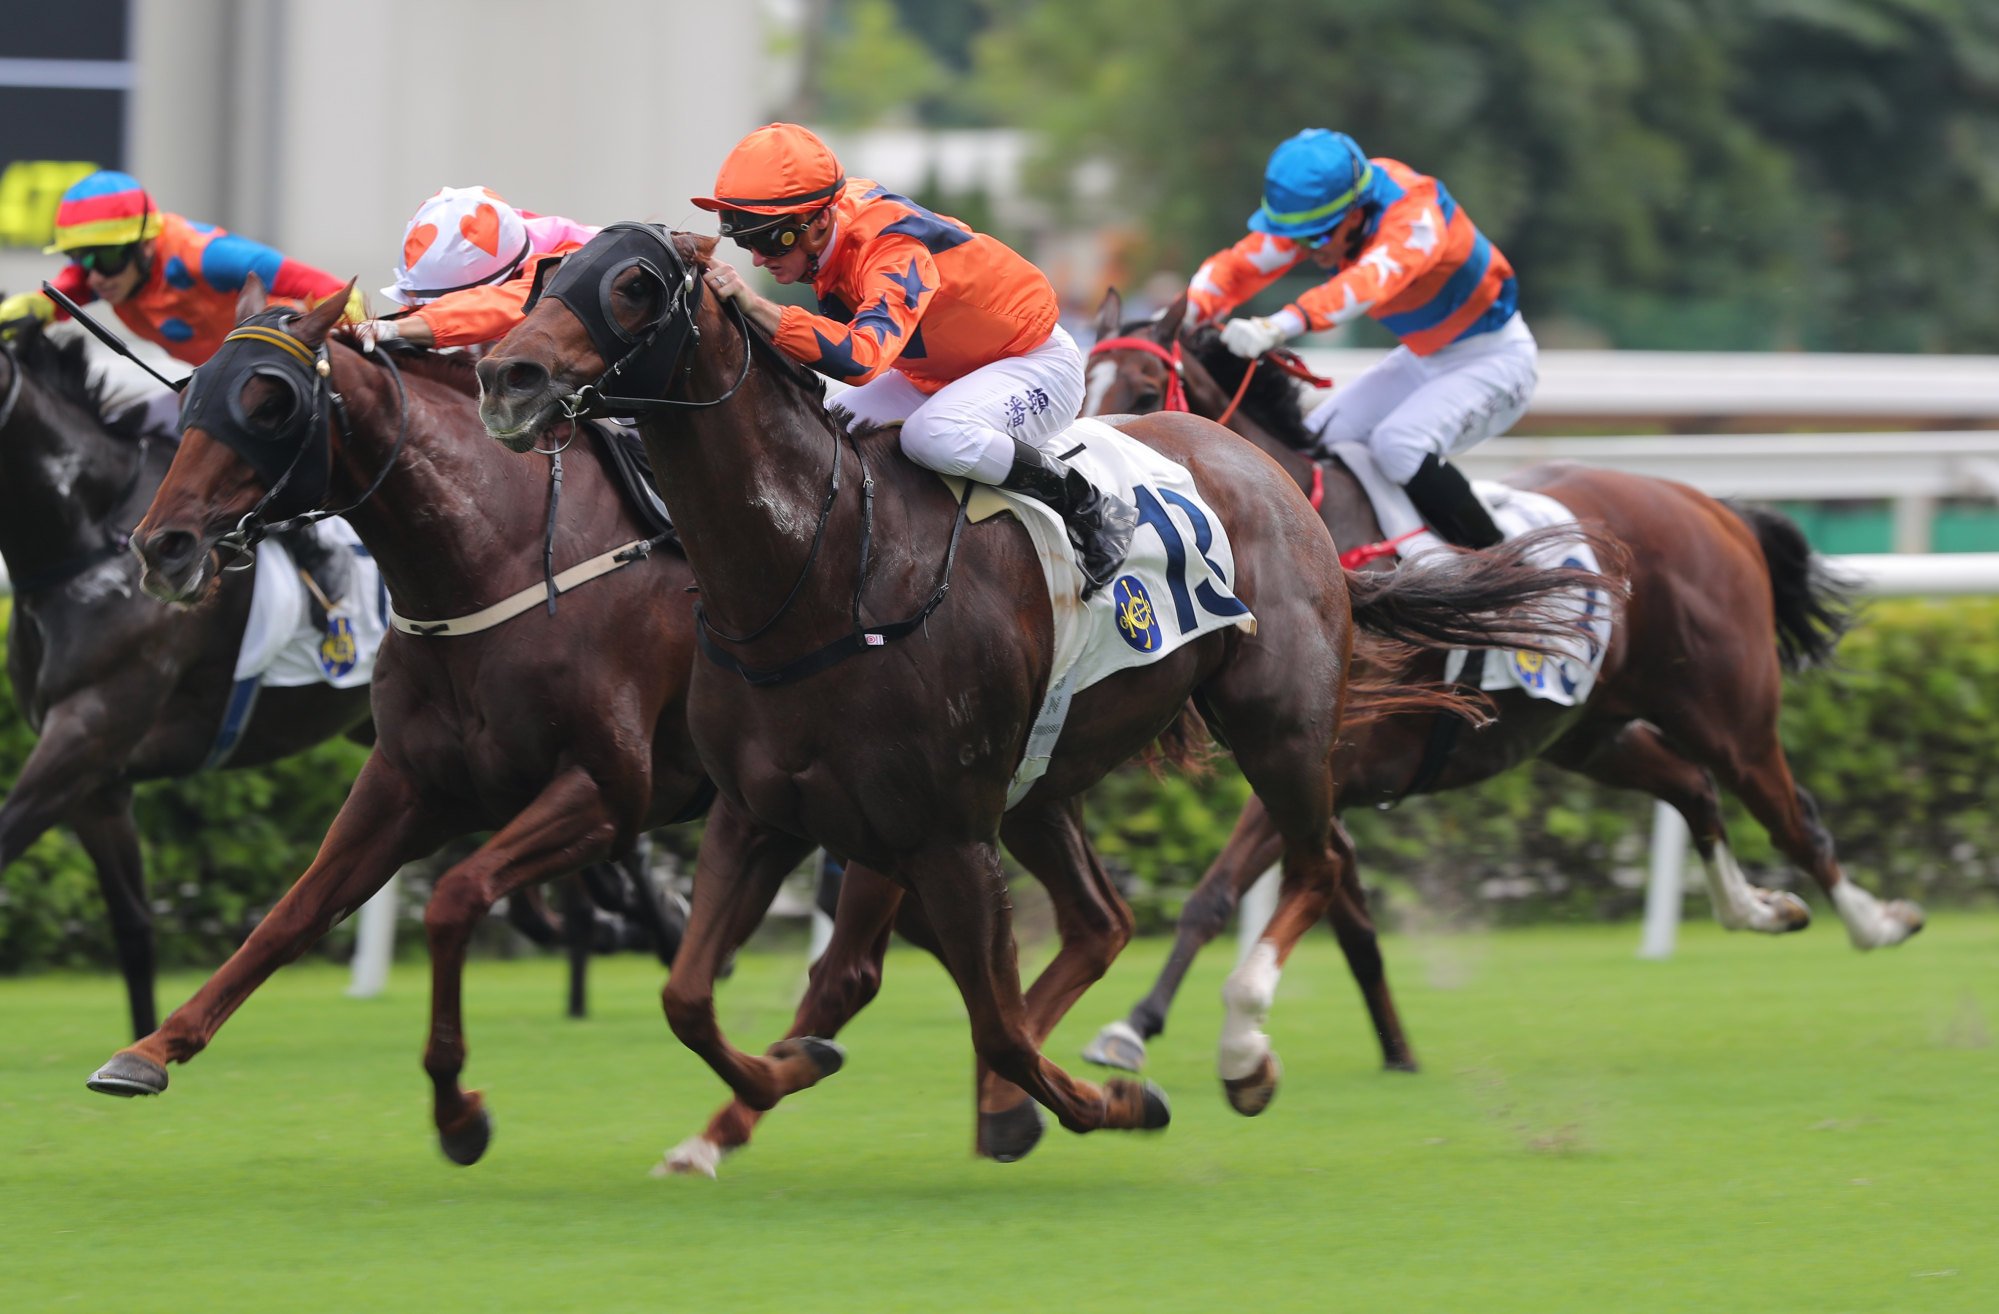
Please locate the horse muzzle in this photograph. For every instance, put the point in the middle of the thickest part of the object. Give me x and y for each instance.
(175, 565)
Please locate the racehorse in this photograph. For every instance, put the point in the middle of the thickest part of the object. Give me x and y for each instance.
(119, 688)
(560, 727)
(1723, 600)
(892, 742)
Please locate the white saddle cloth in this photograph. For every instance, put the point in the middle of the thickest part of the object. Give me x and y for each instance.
(1565, 679)
(1175, 586)
(282, 646)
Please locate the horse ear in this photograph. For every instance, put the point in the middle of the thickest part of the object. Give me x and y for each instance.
(1171, 318)
(312, 327)
(1110, 315)
(251, 299)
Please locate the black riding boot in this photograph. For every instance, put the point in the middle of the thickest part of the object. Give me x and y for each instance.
(1099, 524)
(1445, 500)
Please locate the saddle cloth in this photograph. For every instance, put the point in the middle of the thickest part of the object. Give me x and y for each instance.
(1174, 587)
(1565, 678)
(282, 644)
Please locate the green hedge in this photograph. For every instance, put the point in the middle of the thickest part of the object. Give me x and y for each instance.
(1897, 745)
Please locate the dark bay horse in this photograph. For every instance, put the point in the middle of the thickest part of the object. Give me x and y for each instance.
(563, 733)
(1723, 600)
(825, 721)
(119, 688)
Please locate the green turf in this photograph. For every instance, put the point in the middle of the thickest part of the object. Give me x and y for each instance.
(1755, 1125)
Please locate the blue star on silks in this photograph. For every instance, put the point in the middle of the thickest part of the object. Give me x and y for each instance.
(837, 358)
(912, 285)
(178, 274)
(876, 319)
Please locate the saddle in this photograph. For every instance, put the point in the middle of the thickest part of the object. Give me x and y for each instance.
(625, 459)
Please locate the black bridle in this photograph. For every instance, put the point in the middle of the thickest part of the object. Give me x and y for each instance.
(650, 359)
(296, 471)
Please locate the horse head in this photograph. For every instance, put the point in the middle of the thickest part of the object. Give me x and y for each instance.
(611, 318)
(256, 444)
(1136, 368)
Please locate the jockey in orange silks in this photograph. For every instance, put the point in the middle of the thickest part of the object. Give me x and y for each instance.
(468, 265)
(942, 328)
(1407, 255)
(171, 280)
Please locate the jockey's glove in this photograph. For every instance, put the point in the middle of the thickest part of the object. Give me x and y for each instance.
(24, 305)
(371, 333)
(1250, 338)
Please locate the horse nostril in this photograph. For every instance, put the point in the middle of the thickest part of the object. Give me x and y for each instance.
(171, 548)
(520, 380)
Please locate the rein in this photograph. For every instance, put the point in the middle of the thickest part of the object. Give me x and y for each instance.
(1176, 388)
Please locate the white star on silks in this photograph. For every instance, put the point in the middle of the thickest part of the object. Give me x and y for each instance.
(1378, 257)
(1423, 233)
(1268, 257)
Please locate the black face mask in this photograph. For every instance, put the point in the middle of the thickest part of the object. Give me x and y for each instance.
(286, 447)
(641, 362)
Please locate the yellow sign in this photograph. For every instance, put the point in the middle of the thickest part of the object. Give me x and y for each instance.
(29, 193)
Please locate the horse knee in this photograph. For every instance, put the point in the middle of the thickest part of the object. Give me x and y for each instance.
(691, 1016)
(850, 986)
(1207, 909)
(455, 907)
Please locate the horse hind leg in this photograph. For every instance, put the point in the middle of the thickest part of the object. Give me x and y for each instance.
(104, 826)
(1635, 756)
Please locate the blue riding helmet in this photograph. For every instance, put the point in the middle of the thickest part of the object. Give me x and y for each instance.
(1311, 182)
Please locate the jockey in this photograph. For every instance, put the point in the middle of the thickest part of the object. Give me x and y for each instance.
(1407, 255)
(942, 328)
(171, 280)
(467, 268)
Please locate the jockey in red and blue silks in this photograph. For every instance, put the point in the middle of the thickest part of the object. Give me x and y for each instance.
(171, 281)
(1408, 256)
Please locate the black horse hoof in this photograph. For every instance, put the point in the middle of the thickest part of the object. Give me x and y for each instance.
(1406, 1064)
(1007, 1136)
(827, 1056)
(1251, 1095)
(1157, 1111)
(466, 1144)
(127, 1075)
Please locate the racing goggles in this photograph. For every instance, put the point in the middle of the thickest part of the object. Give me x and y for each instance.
(107, 261)
(767, 237)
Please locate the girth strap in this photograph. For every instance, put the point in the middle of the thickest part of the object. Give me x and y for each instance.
(514, 604)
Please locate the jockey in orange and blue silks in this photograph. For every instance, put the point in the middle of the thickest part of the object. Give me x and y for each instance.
(944, 329)
(171, 280)
(1407, 255)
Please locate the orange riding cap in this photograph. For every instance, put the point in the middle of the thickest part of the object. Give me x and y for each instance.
(780, 168)
(901, 287)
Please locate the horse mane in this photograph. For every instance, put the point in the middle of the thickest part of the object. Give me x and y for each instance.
(1271, 399)
(696, 251)
(62, 366)
(457, 370)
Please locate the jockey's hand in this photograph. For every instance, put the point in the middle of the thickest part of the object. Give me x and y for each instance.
(372, 333)
(24, 305)
(1250, 338)
(728, 285)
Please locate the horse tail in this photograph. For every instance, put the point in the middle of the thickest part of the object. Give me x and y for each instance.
(1186, 744)
(1496, 598)
(1815, 603)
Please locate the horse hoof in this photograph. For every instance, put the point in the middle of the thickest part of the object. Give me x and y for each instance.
(1008, 1136)
(1908, 916)
(466, 1143)
(1251, 1095)
(1117, 1046)
(697, 1156)
(128, 1074)
(1157, 1111)
(1788, 910)
(1407, 1063)
(826, 1056)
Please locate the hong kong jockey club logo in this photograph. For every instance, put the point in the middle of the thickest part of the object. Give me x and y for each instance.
(337, 652)
(1135, 619)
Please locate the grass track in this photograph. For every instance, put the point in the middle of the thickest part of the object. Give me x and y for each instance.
(1756, 1125)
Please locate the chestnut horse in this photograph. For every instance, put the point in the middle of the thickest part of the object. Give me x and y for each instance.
(893, 741)
(119, 688)
(1722, 601)
(560, 729)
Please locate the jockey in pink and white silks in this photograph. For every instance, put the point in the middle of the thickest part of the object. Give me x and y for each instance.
(1408, 256)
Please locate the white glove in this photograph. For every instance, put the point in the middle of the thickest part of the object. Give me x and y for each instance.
(370, 333)
(1250, 338)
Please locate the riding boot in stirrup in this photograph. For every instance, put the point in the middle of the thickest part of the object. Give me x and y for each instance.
(1444, 498)
(1099, 524)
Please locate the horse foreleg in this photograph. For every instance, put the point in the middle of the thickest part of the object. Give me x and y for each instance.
(380, 827)
(741, 865)
(1355, 929)
(964, 894)
(103, 824)
(579, 934)
(842, 983)
(1253, 847)
(570, 823)
(1094, 923)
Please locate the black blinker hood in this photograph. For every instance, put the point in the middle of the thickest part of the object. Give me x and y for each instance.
(640, 365)
(294, 468)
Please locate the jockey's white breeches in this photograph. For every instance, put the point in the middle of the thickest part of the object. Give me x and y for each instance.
(967, 427)
(1408, 407)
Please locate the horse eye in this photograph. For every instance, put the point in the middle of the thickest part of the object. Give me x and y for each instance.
(1146, 401)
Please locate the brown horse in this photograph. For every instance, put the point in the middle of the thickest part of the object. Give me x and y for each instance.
(119, 688)
(1722, 601)
(561, 729)
(893, 742)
